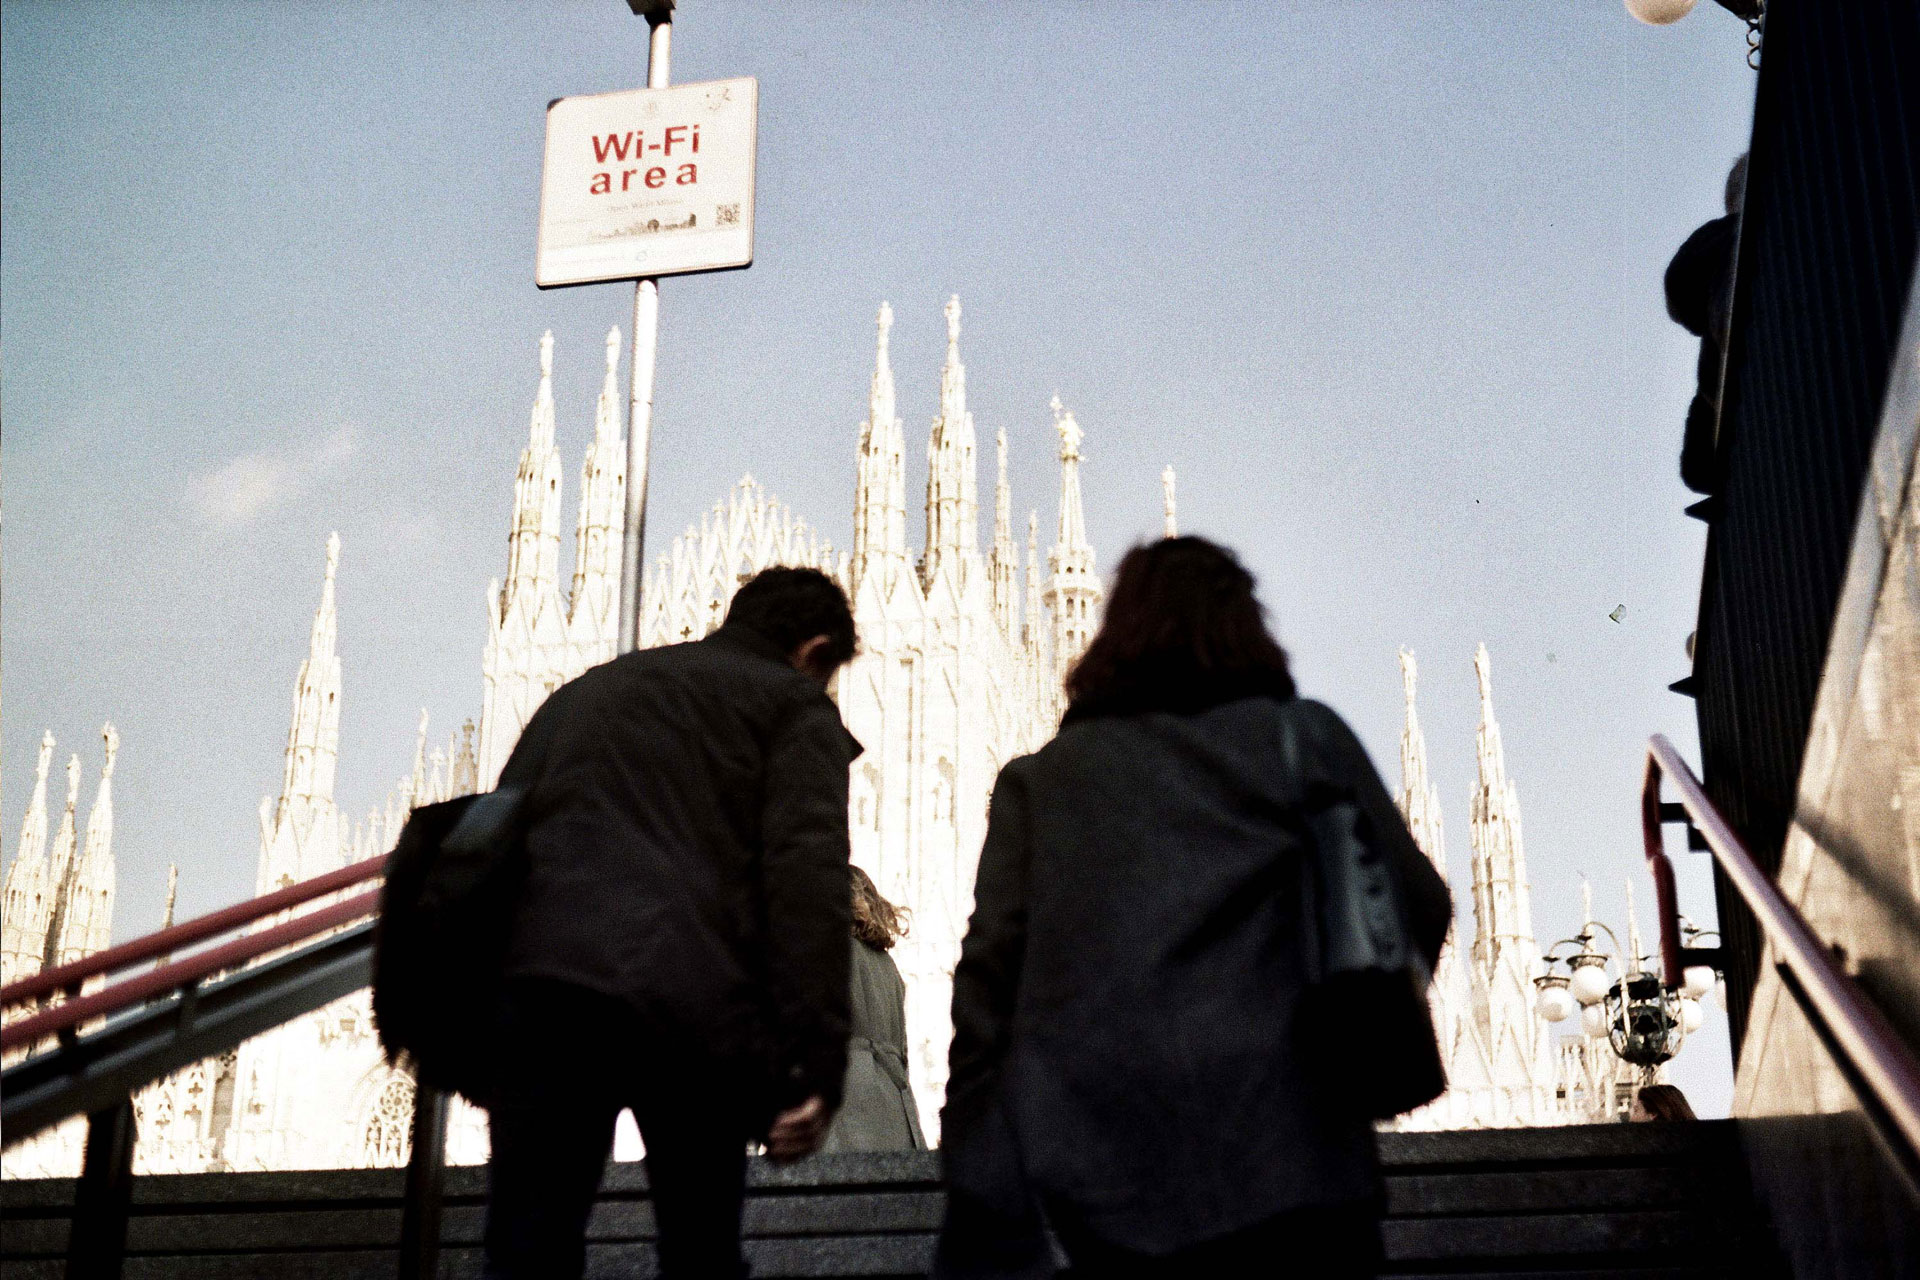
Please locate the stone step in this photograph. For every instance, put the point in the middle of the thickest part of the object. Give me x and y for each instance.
(1616, 1201)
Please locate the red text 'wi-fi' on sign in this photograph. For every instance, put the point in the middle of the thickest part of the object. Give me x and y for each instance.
(649, 182)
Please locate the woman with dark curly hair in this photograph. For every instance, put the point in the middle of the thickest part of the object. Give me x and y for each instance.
(877, 1111)
(1141, 1060)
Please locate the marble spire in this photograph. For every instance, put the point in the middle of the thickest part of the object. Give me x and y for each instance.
(60, 864)
(1505, 957)
(533, 546)
(1503, 915)
(1004, 563)
(300, 834)
(86, 914)
(1172, 527)
(313, 739)
(594, 604)
(533, 642)
(1419, 798)
(27, 908)
(1073, 589)
(1036, 631)
(173, 892)
(953, 506)
(880, 481)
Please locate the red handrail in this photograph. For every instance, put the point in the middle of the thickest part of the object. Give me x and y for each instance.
(142, 987)
(68, 977)
(1879, 1059)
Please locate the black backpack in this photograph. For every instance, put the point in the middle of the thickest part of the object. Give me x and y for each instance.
(446, 915)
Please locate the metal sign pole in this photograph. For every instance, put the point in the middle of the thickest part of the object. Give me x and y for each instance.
(646, 333)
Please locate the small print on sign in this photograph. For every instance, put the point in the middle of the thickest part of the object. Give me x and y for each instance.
(649, 182)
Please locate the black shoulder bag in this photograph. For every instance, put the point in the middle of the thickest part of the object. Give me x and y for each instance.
(1364, 1019)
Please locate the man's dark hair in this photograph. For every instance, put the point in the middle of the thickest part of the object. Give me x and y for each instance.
(791, 606)
(1182, 632)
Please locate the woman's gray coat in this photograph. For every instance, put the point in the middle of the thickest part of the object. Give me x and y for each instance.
(877, 1111)
(1124, 1006)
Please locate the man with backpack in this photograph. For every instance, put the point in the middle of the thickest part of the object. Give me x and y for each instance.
(680, 944)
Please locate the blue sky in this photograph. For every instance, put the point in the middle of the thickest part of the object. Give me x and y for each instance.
(1382, 280)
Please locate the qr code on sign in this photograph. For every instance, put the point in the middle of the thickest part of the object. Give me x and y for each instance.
(727, 215)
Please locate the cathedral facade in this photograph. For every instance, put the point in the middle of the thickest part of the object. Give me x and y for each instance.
(964, 644)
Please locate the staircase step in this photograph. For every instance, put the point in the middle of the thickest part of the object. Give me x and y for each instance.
(1614, 1201)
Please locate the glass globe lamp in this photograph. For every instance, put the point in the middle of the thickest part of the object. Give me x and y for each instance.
(1593, 1020)
(1590, 983)
(1697, 981)
(1691, 1015)
(1554, 1003)
(1658, 13)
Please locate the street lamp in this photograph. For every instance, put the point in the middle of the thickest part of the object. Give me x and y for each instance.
(1618, 996)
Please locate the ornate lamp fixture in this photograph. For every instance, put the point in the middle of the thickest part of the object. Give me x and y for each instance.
(1618, 996)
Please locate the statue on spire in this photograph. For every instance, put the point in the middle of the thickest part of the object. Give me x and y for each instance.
(546, 355)
(885, 325)
(1070, 432)
(1166, 493)
(613, 350)
(952, 311)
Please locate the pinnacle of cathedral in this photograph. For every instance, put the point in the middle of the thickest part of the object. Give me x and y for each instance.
(33, 829)
(173, 891)
(953, 506)
(1171, 528)
(417, 782)
(326, 624)
(880, 480)
(313, 737)
(1036, 632)
(1073, 590)
(1419, 798)
(1004, 566)
(594, 602)
(86, 909)
(26, 910)
(1502, 913)
(60, 864)
(533, 544)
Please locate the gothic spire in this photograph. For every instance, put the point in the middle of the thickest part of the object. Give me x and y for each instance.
(86, 911)
(533, 546)
(1419, 798)
(1073, 592)
(27, 908)
(595, 600)
(313, 737)
(60, 864)
(33, 829)
(1035, 631)
(173, 891)
(1172, 527)
(953, 506)
(1004, 568)
(880, 481)
(418, 780)
(1502, 913)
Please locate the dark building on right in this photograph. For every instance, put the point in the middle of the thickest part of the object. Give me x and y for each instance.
(1807, 654)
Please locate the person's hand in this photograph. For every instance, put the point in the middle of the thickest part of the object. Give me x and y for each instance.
(798, 1131)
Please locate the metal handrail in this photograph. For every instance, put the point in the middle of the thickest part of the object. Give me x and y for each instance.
(69, 977)
(182, 973)
(181, 1011)
(1872, 1053)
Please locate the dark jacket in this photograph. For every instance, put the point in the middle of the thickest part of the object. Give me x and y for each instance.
(688, 854)
(877, 1110)
(1126, 994)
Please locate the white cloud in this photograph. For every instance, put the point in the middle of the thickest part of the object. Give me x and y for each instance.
(242, 489)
